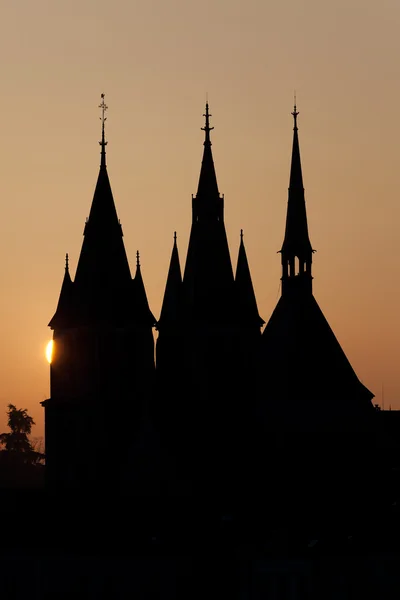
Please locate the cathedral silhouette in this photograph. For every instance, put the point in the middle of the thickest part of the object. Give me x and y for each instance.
(219, 407)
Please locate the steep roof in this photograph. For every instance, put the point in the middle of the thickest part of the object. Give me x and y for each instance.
(208, 281)
(103, 258)
(308, 379)
(246, 299)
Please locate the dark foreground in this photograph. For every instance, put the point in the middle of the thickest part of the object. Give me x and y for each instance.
(101, 546)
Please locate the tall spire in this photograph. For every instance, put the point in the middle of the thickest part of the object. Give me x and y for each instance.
(103, 106)
(103, 255)
(207, 205)
(296, 248)
(208, 282)
(296, 177)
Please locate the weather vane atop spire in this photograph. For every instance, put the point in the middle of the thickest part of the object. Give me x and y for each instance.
(175, 237)
(137, 259)
(295, 111)
(103, 106)
(66, 262)
(241, 235)
(207, 127)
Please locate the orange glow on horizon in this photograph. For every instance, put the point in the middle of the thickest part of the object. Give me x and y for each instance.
(255, 55)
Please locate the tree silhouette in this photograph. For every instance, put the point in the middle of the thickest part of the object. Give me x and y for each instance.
(20, 424)
(20, 462)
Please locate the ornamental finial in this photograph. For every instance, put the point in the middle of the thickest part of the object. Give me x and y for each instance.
(103, 106)
(295, 112)
(207, 127)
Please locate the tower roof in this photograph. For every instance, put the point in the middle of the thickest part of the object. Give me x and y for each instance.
(171, 302)
(207, 189)
(247, 303)
(103, 257)
(208, 293)
(296, 241)
(103, 289)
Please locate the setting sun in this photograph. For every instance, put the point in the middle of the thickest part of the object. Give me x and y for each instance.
(49, 351)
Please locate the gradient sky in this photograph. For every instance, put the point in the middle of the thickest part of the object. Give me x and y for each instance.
(156, 60)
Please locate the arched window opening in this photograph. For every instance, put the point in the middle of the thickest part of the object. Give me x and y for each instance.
(296, 265)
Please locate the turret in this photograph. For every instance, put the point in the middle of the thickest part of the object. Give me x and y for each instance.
(170, 311)
(246, 299)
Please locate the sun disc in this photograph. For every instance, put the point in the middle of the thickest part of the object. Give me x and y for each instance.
(49, 351)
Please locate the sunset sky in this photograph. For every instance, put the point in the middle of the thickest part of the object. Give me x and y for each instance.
(156, 60)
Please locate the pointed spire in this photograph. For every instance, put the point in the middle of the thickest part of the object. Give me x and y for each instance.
(103, 254)
(103, 142)
(209, 205)
(247, 303)
(64, 310)
(296, 244)
(171, 303)
(142, 309)
(296, 177)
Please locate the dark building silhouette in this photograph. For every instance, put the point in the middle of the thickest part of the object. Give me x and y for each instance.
(271, 435)
(310, 403)
(209, 329)
(223, 403)
(310, 382)
(102, 367)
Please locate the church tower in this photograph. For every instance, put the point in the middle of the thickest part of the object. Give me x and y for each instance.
(208, 330)
(311, 407)
(309, 384)
(102, 367)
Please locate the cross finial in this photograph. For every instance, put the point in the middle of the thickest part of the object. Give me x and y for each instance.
(137, 259)
(295, 112)
(103, 106)
(66, 262)
(207, 127)
(175, 237)
(241, 235)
